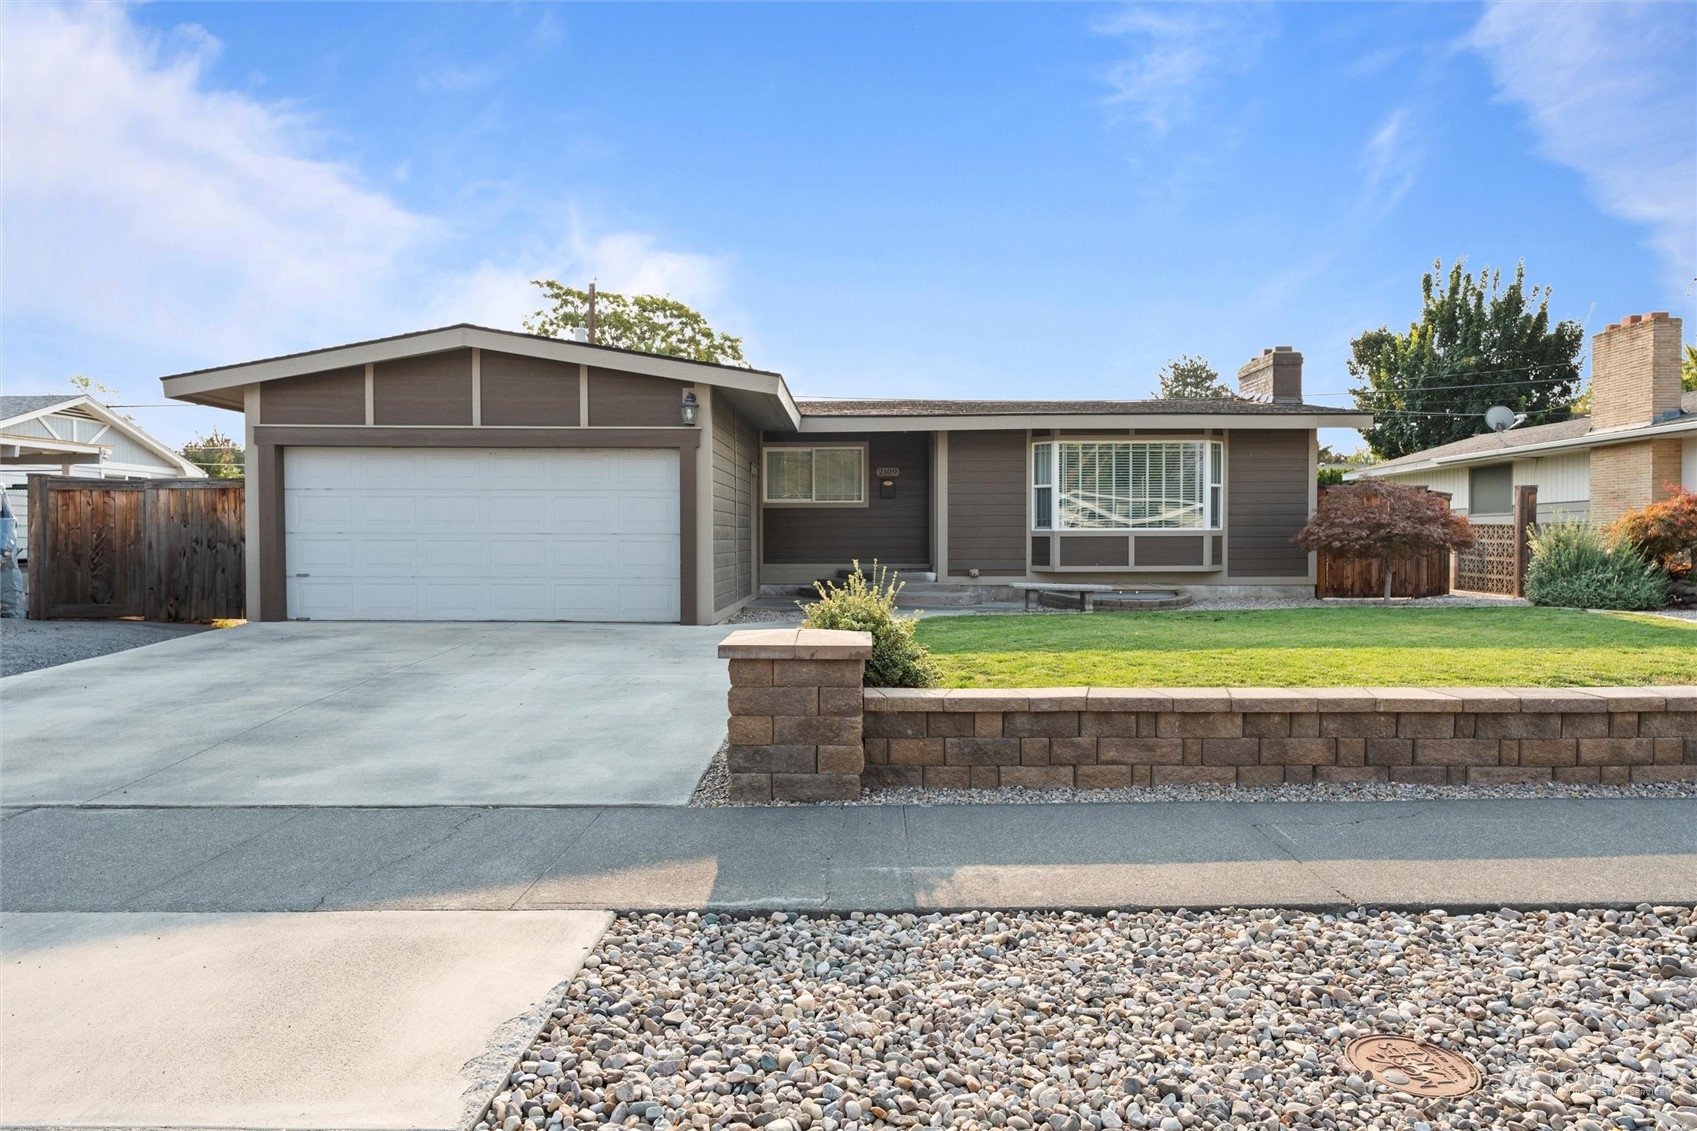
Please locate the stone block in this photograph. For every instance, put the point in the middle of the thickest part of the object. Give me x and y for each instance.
(1259, 777)
(1140, 775)
(1390, 752)
(760, 644)
(1456, 752)
(1559, 700)
(978, 699)
(948, 777)
(1516, 726)
(774, 700)
(1577, 775)
(1425, 724)
(1299, 775)
(817, 673)
(911, 699)
(1038, 777)
(832, 644)
(1199, 700)
(1548, 752)
(1482, 700)
(1617, 751)
(1668, 724)
(1231, 751)
(819, 730)
(1034, 751)
(1117, 700)
(1211, 724)
(1272, 700)
(1673, 751)
(1257, 725)
(815, 787)
(1139, 751)
(1357, 724)
(980, 751)
(1072, 751)
(1305, 725)
(877, 751)
(1102, 777)
(1664, 773)
(842, 701)
(1351, 751)
(1030, 724)
(1329, 700)
(894, 777)
(772, 759)
(1507, 775)
(944, 725)
(1630, 700)
(1585, 726)
(1049, 699)
(917, 751)
(841, 760)
(750, 730)
(1299, 751)
(1418, 775)
(751, 673)
(1351, 775)
(1614, 775)
(1192, 751)
(984, 777)
(987, 724)
(751, 788)
(1464, 725)
(886, 724)
(1623, 724)
(1401, 700)
(1100, 724)
(1193, 775)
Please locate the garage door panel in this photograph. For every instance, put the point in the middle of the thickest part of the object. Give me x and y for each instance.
(462, 534)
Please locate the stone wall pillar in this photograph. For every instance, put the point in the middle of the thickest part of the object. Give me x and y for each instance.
(796, 705)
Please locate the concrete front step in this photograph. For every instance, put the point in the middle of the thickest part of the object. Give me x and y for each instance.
(1139, 600)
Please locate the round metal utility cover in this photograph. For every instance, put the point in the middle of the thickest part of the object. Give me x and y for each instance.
(1416, 1067)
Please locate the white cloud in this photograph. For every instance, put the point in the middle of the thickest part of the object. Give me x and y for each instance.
(1388, 162)
(1608, 89)
(1176, 48)
(145, 206)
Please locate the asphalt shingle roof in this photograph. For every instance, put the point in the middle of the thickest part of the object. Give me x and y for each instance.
(1060, 408)
(22, 406)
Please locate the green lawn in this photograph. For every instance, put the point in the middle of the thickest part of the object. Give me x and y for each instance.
(1515, 647)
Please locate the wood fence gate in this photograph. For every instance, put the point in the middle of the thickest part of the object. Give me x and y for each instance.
(1417, 575)
(163, 549)
(1496, 565)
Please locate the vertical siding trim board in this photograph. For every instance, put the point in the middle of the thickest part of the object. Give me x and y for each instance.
(266, 457)
(940, 504)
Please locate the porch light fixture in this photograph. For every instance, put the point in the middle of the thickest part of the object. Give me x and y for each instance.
(688, 409)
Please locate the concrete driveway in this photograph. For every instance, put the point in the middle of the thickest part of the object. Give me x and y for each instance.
(372, 714)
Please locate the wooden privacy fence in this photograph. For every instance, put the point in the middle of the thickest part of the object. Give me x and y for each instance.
(1414, 575)
(163, 549)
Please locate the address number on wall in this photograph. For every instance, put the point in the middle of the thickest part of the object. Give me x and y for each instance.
(886, 472)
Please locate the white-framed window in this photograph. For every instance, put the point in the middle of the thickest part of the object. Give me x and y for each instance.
(1126, 484)
(815, 475)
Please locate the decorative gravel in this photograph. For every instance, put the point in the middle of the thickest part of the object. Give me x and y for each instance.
(714, 790)
(1069, 1022)
(28, 645)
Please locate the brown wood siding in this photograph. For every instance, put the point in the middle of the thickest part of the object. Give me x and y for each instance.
(1172, 551)
(987, 495)
(894, 531)
(432, 389)
(336, 396)
(522, 391)
(736, 447)
(1267, 482)
(629, 400)
(1096, 550)
(1041, 546)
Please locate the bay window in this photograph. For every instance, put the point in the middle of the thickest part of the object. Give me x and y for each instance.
(1126, 484)
(797, 474)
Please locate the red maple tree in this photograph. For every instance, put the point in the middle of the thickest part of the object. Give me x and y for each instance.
(1377, 519)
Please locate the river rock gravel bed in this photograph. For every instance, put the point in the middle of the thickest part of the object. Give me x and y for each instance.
(1074, 1022)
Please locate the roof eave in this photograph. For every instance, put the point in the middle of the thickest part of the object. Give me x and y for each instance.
(1589, 440)
(1116, 421)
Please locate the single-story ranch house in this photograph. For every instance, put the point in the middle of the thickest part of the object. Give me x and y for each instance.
(1639, 440)
(470, 473)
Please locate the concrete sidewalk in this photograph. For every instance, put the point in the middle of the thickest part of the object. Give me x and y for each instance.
(1453, 854)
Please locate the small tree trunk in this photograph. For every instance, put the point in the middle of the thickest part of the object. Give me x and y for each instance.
(1387, 572)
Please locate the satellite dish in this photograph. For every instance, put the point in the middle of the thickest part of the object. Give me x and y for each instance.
(1499, 418)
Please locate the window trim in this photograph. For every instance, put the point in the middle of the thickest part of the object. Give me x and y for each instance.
(865, 471)
(1213, 488)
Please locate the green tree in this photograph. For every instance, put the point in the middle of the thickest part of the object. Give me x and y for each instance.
(1477, 344)
(649, 323)
(1187, 378)
(216, 454)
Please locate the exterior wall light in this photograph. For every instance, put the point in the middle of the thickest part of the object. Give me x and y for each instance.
(688, 409)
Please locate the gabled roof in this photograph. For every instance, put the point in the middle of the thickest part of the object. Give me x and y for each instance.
(1574, 433)
(14, 409)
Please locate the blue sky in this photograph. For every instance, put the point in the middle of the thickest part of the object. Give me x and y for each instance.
(952, 200)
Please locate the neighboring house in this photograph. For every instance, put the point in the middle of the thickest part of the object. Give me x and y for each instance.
(59, 434)
(469, 473)
(1640, 437)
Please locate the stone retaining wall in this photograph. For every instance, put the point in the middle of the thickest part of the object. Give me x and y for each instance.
(1096, 738)
(802, 728)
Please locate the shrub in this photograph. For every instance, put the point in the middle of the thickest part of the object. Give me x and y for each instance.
(1664, 531)
(868, 604)
(1578, 566)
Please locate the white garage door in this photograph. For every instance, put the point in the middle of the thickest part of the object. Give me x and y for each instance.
(475, 534)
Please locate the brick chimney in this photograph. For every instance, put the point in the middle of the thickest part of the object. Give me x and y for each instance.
(1635, 371)
(1276, 375)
